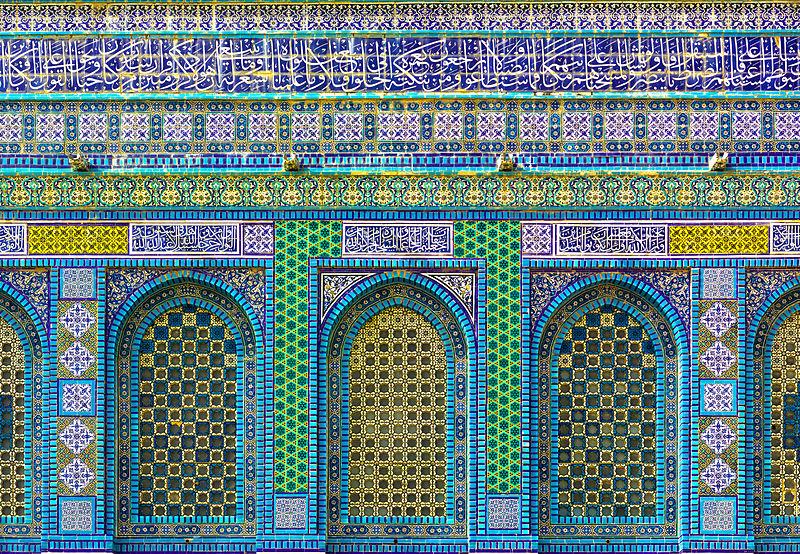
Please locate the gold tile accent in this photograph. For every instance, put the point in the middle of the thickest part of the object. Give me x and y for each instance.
(719, 239)
(78, 239)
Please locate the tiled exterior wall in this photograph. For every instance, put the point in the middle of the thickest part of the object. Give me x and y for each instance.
(204, 204)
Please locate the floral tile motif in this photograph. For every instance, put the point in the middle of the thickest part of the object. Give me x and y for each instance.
(718, 436)
(348, 126)
(534, 126)
(704, 126)
(398, 126)
(718, 319)
(718, 475)
(577, 126)
(661, 126)
(76, 475)
(491, 126)
(93, 127)
(177, 127)
(220, 126)
(718, 358)
(262, 127)
(746, 125)
(787, 125)
(76, 436)
(50, 128)
(448, 126)
(305, 127)
(135, 127)
(619, 125)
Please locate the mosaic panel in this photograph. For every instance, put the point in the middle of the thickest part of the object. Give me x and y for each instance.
(190, 352)
(295, 243)
(718, 456)
(78, 282)
(78, 239)
(76, 456)
(503, 513)
(719, 239)
(718, 283)
(76, 515)
(631, 421)
(232, 16)
(437, 189)
(718, 515)
(499, 243)
(291, 513)
(188, 397)
(12, 422)
(144, 129)
(607, 444)
(419, 444)
(397, 419)
(770, 337)
(785, 419)
(718, 339)
(718, 437)
(522, 63)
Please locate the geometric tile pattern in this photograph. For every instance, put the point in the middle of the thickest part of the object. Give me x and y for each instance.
(607, 456)
(785, 416)
(717, 449)
(12, 422)
(718, 515)
(290, 512)
(77, 359)
(76, 426)
(160, 129)
(718, 358)
(188, 364)
(718, 283)
(592, 412)
(76, 475)
(503, 513)
(76, 436)
(718, 475)
(397, 449)
(719, 239)
(463, 16)
(718, 397)
(77, 320)
(76, 398)
(191, 354)
(74, 239)
(718, 319)
(416, 432)
(499, 243)
(76, 514)
(718, 436)
(78, 282)
(718, 338)
(296, 241)
(436, 188)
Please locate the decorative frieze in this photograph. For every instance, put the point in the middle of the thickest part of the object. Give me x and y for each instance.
(663, 239)
(612, 240)
(397, 239)
(384, 16)
(525, 63)
(133, 132)
(134, 239)
(203, 238)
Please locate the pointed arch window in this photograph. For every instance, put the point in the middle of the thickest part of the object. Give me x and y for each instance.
(13, 425)
(608, 372)
(186, 381)
(397, 416)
